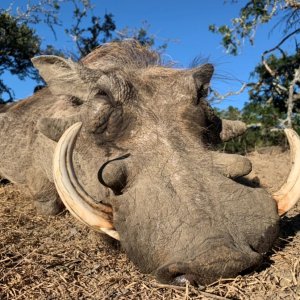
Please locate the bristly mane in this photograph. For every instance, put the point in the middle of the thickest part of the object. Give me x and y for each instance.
(129, 53)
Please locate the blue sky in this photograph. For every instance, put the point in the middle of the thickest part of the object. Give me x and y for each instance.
(185, 23)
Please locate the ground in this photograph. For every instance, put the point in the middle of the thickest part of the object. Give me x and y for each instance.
(58, 258)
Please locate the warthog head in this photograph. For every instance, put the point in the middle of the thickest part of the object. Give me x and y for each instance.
(144, 171)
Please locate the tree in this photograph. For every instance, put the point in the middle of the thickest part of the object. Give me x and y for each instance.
(275, 91)
(274, 95)
(261, 120)
(266, 112)
(254, 14)
(19, 41)
(96, 33)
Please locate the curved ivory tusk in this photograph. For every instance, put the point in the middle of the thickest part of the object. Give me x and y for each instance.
(77, 201)
(289, 193)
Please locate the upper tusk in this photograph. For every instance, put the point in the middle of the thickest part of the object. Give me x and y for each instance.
(289, 193)
(77, 201)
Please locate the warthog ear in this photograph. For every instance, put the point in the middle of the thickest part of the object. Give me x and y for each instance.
(61, 75)
(202, 76)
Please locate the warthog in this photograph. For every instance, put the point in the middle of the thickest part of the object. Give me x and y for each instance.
(143, 169)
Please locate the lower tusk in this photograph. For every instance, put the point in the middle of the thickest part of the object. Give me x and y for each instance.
(77, 201)
(113, 233)
(289, 193)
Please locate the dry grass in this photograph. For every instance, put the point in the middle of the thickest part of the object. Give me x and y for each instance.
(57, 258)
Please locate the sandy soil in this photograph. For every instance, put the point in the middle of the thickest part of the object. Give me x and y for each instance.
(57, 258)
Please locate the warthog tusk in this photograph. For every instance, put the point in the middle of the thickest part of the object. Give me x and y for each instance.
(289, 193)
(77, 201)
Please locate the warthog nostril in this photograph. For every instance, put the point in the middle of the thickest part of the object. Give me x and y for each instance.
(177, 273)
(184, 279)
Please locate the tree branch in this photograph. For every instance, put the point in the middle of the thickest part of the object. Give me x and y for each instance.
(291, 99)
(268, 68)
(220, 97)
(296, 97)
(293, 4)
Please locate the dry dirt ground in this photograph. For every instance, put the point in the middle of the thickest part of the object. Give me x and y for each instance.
(57, 258)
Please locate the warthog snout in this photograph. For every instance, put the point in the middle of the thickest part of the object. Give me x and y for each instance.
(205, 267)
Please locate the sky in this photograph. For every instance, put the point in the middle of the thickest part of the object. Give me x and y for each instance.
(185, 25)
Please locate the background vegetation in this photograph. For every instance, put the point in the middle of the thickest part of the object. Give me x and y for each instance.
(274, 93)
(19, 41)
(274, 90)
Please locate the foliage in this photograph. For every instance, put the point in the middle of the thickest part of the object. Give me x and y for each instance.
(274, 94)
(275, 90)
(37, 12)
(254, 139)
(276, 75)
(251, 16)
(261, 132)
(231, 113)
(18, 43)
(96, 33)
(265, 113)
(264, 127)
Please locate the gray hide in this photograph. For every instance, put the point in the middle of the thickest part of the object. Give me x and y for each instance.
(175, 205)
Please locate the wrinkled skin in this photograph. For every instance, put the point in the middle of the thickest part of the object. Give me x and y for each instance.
(175, 205)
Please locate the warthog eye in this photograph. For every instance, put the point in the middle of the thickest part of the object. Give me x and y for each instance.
(106, 95)
(76, 101)
(102, 93)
